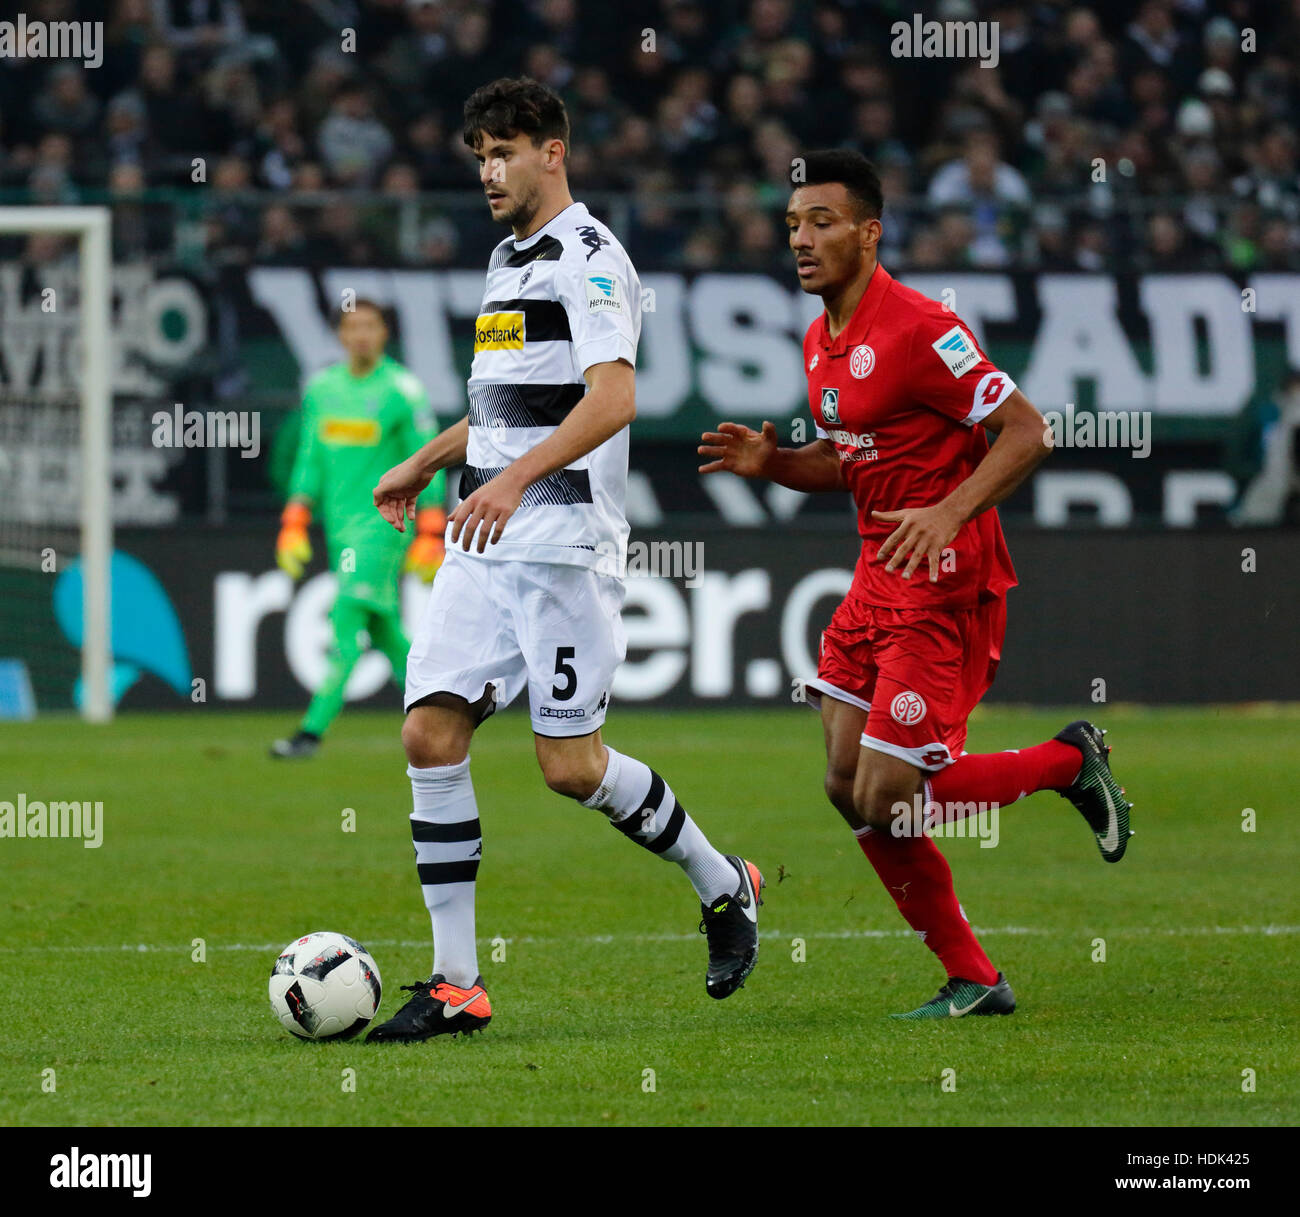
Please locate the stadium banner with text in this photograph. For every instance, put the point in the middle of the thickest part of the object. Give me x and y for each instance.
(1188, 346)
(1159, 387)
(204, 619)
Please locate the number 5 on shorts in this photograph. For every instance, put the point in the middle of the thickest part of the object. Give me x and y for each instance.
(565, 669)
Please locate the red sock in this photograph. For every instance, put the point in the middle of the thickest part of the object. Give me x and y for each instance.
(919, 878)
(1004, 777)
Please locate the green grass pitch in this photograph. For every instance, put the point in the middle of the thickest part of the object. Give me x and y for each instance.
(602, 978)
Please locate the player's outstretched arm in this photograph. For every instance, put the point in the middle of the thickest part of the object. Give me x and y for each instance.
(1024, 439)
(396, 493)
(734, 448)
(605, 409)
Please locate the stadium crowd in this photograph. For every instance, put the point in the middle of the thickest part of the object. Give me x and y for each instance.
(1136, 133)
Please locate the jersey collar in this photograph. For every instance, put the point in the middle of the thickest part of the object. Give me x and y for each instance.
(578, 210)
(856, 330)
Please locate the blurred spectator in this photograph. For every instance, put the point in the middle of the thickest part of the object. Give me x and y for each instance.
(441, 161)
(593, 109)
(353, 143)
(1092, 248)
(64, 106)
(978, 176)
(126, 34)
(1202, 171)
(200, 27)
(280, 145)
(1169, 246)
(984, 185)
(127, 132)
(174, 116)
(1271, 179)
(417, 57)
(50, 181)
(439, 242)
(1241, 239)
(1277, 245)
(757, 245)
(656, 227)
(281, 241)
(139, 229)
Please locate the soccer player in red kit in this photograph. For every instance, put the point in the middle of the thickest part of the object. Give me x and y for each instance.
(902, 396)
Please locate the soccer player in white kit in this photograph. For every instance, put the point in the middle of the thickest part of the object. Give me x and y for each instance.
(529, 593)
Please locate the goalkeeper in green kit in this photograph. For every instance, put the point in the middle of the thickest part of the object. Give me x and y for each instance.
(359, 419)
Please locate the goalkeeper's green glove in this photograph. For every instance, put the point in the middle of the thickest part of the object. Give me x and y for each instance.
(292, 548)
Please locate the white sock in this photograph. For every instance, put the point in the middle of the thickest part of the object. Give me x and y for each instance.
(448, 845)
(640, 805)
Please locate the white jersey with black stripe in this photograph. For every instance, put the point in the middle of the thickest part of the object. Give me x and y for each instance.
(555, 303)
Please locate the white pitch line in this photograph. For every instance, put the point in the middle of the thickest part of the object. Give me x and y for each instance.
(609, 939)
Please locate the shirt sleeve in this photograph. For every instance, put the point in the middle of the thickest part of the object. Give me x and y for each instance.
(948, 372)
(599, 298)
(305, 480)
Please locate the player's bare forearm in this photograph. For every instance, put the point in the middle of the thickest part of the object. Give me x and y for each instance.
(734, 448)
(607, 407)
(396, 494)
(814, 467)
(921, 533)
(1021, 446)
(446, 450)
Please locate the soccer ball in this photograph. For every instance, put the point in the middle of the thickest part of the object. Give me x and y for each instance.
(324, 986)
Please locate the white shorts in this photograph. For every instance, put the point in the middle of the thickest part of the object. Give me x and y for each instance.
(503, 625)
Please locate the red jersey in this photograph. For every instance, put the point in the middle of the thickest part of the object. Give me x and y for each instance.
(900, 393)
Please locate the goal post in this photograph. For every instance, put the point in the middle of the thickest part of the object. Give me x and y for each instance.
(92, 226)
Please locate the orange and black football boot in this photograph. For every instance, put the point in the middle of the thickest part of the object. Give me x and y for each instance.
(436, 1008)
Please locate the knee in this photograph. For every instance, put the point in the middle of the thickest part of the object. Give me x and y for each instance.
(839, 789)
(426, 749)
(877, 804)
(571, 776)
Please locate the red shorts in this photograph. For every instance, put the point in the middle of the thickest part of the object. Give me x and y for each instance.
(917, 672)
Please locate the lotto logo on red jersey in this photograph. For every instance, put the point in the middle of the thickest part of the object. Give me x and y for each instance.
(861, 361)
(907, 708)
(993, 389)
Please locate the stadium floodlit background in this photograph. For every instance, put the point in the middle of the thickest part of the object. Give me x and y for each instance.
(1114, 208)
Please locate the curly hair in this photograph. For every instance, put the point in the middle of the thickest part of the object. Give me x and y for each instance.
(515, 106)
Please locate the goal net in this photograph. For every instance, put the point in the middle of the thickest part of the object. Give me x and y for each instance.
(55, 490)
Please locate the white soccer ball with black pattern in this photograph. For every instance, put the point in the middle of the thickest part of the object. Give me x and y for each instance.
(325, 986)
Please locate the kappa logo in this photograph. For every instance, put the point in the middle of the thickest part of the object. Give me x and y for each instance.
(907, 708)
(831, 405)
(957, 351)
(592, 240)
(862, 361)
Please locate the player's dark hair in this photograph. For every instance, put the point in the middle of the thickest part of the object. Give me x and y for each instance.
(516, 106)
(850, 169)
(359, 303)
